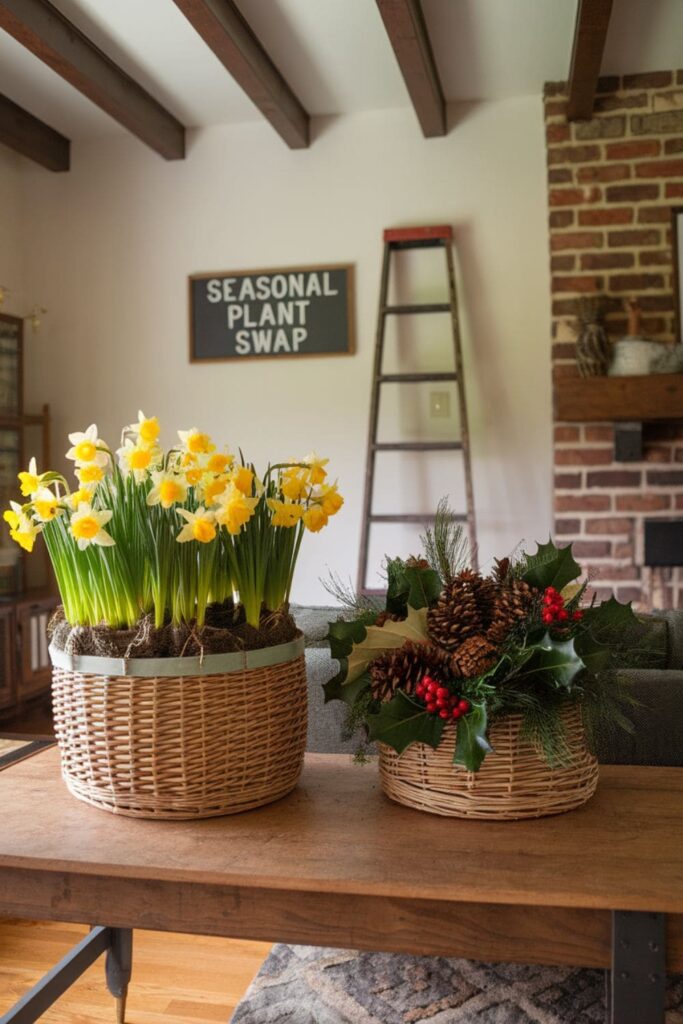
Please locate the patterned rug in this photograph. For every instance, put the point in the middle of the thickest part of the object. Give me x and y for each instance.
(308, 985)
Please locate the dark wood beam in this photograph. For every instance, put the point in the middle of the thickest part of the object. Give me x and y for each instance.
(225, 31)
(590, 33)
(49, 35)
(32, 138)
(407, 31)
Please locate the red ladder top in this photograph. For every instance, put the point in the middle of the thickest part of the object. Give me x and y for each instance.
(431, 231)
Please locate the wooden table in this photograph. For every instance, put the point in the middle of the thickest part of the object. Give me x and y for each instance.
(337, 864)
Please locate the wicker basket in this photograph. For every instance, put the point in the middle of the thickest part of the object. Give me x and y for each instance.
(513, 782)
(175, 738)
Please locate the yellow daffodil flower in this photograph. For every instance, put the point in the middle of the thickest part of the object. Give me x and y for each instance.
(219, 462)
(146, 429)
(30, 481)
(194, 475)
(329, 498)
(285, 513)
(87, 526)
(22, 530)
(90, 474)
(138, 459)
(199, 525)
(243, 479)
(315, 518)
(212, 489)
(196, 441)
(294, 484)
(85, 447)
(315, 468)
(46, 505)
(74, 499)
(168, 490)
(235, 509)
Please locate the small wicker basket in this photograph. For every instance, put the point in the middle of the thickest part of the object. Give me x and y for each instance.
(178, 738)
(513, 782)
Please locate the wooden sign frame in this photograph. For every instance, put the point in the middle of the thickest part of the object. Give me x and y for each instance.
(309, 268)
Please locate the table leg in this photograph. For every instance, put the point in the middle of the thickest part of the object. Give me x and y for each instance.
(638, 982)
(118, 968)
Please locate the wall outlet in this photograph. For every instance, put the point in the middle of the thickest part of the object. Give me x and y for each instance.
(439, 404)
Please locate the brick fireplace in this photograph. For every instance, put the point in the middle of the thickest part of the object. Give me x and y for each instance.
(612, 182)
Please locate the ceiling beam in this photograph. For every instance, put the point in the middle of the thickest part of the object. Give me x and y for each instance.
(407, 31)
(40, 27)
(590, 33)
(27, 135)
(225, 31)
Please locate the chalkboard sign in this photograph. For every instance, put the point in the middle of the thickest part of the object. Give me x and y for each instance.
(259, 314)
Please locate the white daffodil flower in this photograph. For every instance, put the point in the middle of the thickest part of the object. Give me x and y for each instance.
(199, 525)
(87, 526)
(85, 447)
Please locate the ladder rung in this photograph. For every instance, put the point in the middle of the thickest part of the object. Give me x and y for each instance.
(423, 233)
(410, 378)
(418, 446)
(373, 592)
(410, 517)
(420, 307)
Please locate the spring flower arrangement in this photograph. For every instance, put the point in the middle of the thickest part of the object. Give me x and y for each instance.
(164, 538)
(453, 648)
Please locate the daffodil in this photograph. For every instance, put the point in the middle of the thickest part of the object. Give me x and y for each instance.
(243, 479)
(315, 468)
(146, 430)
(22, 530)
(30, 480)
(169, 489)
(46, 505)
(329, 499)
(315, 518)
(138, 458)
(212, 489)
(87, 447)
(196, 441)
(235, 509)
(74, 499)
(294, 484)
(285, 513)
(194, 475)
(90, 474)
(199, 525)
(87, 526)
(219, 462)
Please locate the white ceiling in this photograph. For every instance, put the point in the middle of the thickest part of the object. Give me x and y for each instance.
(335, 54)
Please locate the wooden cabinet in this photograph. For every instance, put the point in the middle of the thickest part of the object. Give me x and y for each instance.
(25, 671)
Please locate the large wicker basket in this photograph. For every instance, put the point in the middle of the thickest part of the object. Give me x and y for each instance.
(513, 782)
(179, 738)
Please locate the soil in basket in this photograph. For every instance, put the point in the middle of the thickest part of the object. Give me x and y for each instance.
(225, 631)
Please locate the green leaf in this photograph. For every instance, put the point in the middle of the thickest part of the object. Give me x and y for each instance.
(611, 618)
(343, 635)
(397, 587)
(424, 586)
(558, 658)
(391, 635)
(401, 721)
(471, 745)
(338, 689)
(550, 567)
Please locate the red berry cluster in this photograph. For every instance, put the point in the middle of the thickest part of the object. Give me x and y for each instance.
(554, 608)
(439, 700)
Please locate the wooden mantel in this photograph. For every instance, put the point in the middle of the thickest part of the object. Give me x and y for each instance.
(587, 399)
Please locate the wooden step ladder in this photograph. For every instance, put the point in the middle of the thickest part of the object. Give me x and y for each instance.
(431, 237)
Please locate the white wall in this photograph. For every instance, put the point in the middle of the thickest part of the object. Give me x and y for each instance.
(108, 248)
(11, 168)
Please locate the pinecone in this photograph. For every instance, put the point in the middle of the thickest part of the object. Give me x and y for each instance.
(404, 667)
(463, 609)
(388, 617)
(475, 656)
(501, 569)
(513, 602)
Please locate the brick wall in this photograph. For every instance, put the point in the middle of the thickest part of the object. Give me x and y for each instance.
(612, 182)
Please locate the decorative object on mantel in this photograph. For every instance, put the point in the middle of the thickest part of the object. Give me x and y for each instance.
(179, 680)
(484, 693)
(668, 361)
(634, 354)
(592, 346)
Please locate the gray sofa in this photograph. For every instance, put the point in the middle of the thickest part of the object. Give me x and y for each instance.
(657, 739)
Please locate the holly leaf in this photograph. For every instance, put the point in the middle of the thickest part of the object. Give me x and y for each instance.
(611, 619)
(343, 635)
(338, 689)
(471, 744)
(401, 721)
(550, 567)
(424, 586)
(557, 658)
(391, 635)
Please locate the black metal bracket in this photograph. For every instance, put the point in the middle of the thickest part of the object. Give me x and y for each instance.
(628, 441)
(117, 943)
(638, 983)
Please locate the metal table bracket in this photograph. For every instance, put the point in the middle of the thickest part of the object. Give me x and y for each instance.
(117, 943)
(638, 983)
